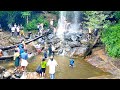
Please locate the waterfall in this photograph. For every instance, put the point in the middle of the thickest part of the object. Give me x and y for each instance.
(75, 24)
(61, 24)
(68, 23)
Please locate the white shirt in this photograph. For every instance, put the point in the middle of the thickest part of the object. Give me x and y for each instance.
(0, 50)
(18, 29)
(38, 26)
(51, 22)
(53, 48)
(13, 29)
(52, 65)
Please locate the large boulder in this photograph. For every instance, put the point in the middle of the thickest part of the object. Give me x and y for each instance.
(84, 41)
(80, 51)
(8, 73)
(74, 44)
(30, 75)
(2, 69)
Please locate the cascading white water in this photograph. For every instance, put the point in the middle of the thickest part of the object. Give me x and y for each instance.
(74, 25)
(63, 24)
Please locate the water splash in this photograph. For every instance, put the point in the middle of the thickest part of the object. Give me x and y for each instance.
(68, 22)
(75, 25)
(63, 23)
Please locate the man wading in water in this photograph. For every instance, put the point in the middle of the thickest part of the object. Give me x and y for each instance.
(52, 64)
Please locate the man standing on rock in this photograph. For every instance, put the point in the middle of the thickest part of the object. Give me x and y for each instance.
(52, 64)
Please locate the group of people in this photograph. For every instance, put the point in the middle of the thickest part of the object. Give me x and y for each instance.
(40, 28)
(16, 30)
(52, 63)
(21, 57)
(48, 54)
(21, 54)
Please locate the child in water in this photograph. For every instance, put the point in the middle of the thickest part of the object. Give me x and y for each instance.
(71, 62)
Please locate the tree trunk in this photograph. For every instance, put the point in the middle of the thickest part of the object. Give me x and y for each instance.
(27, 19)
(91, 46)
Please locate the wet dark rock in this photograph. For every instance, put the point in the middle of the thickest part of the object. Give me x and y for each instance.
(6, 75)
(2, 69)
(50, 36)
(84, 41)
(74, 44)
(80, 50)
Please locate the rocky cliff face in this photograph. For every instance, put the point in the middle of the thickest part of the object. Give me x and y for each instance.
(73, 43)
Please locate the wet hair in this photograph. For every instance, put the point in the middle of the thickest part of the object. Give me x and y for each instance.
(25, 50)
(16, 50)
(43, 59)
(22, 46)
(51, 59)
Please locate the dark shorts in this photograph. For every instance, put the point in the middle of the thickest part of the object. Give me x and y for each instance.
(43, 70)
(71, 64)
(18, 33)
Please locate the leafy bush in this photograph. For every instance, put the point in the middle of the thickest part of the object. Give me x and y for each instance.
(117, 14)
(32, 25)
(111, 39)
(42, 19)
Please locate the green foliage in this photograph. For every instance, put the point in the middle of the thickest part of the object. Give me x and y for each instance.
(54, 12)
(7, 17)
(22, 17)
(41, 19)
(111, 39)
(117, 15)
(32, 25)
(25, 13)
(95, 19)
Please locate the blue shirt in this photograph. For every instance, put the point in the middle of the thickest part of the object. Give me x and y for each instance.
(21, 50)
(45, 54)
(71, 61)
(50, 49)
(24, 56)
(20, 46)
